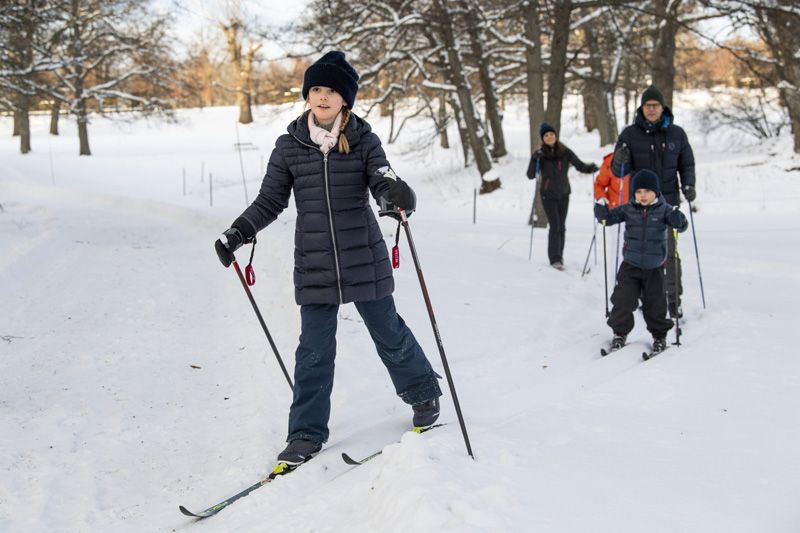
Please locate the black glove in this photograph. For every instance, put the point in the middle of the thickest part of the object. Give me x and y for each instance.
(233, 240)
(601, 209)
(689, 193)
(538, 154)
(622, 156)
(401, 195)
(593, 167)
(675, 218)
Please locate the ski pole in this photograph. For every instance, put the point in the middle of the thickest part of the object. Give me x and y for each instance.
(697, 255)
(533, 209)
(404, 222)
(594, 226)
(605, 266)
(589, 253)
(677, 314)
(619, 227)
(261, 321)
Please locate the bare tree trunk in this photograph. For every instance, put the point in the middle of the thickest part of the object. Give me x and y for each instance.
(455, 73)
(390, 112)
(784, 43)
(444, 140)
(54, 115)
(83, 123)
(24, 124)
(477, 38)
(558, 63)
(590, 105)
(241, 68)
(535, 71)
(602, 93)
(663, 60)
(15, 132)
(462, 130)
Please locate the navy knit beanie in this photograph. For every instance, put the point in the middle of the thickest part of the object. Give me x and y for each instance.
(646, 179)
(544, 128)
(651, 93)
(332, 70)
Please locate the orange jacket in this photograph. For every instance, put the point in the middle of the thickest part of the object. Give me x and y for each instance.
(606, 185)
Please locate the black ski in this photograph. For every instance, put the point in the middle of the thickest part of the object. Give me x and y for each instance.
(352, 462)
(281, 469)
(649, 355)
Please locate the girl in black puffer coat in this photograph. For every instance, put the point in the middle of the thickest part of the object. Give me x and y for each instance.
(552, 161)
(333, 161)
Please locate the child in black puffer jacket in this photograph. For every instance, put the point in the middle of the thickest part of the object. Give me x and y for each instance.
(645, 251)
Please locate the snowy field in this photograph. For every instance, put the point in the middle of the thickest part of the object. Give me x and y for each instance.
(134, 376)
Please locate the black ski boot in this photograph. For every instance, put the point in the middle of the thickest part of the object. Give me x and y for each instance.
(618, 341)
(659, 344)
(299, 451)
(426, 413)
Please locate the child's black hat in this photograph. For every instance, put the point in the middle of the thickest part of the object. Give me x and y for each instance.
(332, 70)
(646, 179)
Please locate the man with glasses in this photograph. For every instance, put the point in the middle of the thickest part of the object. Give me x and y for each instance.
(655, 143)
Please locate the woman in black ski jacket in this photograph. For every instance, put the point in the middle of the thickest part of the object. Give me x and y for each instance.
(552, 161)
(332, 161)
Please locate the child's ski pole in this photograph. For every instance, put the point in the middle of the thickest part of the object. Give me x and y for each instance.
(404, 222)
(605, 266)
(263, 324)
(677, 315)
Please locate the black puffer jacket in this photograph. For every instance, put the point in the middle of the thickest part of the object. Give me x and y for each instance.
(662, 148)
(554, 165)
(340, 255)
(645, 229)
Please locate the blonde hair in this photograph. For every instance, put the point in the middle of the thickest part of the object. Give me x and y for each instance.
(344, 146)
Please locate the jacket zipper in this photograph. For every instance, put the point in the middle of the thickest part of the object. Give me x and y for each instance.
(330, 217)
(644, 232)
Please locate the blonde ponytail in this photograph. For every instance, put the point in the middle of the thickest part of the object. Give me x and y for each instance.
(344, 146)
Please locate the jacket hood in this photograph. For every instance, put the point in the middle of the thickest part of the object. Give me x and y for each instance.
(667, 119)
(355, 130)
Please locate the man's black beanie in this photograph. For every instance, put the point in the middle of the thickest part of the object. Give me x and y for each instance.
(651, 93)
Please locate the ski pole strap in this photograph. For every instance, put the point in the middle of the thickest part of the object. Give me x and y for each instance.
(249, 273)
(396, 248)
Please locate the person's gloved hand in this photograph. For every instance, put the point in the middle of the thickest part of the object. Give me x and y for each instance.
(401, 195)
(538, 154)
(593, 167)
(622, 156)
(676, 219)
(601, 209)
(231, 240)
(689, 193)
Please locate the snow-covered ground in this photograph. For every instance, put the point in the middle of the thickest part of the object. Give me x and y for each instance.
(134, 376)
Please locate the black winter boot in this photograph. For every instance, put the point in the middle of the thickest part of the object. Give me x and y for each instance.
(299, 451)
(426, 413)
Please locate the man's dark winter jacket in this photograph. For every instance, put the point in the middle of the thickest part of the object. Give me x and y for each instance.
(340, 255)
(662, 148)
(553, 167)
(645, 229)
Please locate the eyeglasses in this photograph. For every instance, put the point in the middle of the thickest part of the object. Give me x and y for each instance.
(652, 106)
